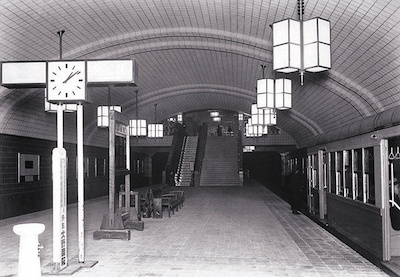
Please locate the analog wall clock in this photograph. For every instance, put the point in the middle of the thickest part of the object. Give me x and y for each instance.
(66, 81)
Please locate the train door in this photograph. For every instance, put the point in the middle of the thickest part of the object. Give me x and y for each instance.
(322, 186)
(393, 205)
(312, 177)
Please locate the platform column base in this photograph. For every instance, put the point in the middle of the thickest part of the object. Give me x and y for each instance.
(112, 232)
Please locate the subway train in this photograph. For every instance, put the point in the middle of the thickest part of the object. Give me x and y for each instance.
(347, 182)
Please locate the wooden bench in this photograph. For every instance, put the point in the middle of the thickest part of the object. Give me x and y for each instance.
(164, 200)
(151, 201)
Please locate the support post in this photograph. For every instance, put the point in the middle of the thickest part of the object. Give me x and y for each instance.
(81, 190)
(60, 125)
(111, 169)
(127, 176)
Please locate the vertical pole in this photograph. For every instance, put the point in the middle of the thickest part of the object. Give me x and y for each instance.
(301, 13)
(155, 123)
(59, 171)
(60, 34)
(81, 197)
(111, 169)
(60, 125)
(384, 168)
(137, 109)
(127, 176)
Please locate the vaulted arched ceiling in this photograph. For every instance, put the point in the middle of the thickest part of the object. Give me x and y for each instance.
(204, 54)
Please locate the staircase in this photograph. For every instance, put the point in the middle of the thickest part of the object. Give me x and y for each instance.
(189, 156)
(220, 164)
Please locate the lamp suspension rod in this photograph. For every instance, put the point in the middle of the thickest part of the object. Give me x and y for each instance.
(60, 34)
(263, 70)
(300, 10)
(155, 113)
(137, 110)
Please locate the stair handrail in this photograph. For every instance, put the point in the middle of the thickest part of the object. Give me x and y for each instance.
(200, 150)
(174, 153)
(178, 173)
(240, 151)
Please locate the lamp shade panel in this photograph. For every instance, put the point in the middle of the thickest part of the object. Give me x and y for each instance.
(265, 93)
(283, 94)
(137, 127)
(286, 45)
(102, 114)
(155, 130)
(317, 49)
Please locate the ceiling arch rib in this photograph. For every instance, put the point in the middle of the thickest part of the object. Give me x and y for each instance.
(360, 97)
(169, 33)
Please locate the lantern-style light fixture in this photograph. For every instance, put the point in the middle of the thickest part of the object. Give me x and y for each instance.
(301, 45)
(155, 130)
(262, 116)
(102, 114)
(137, 127)
(255, 130)
(214, 113)
(283, 94)
(249, 148)
(179, 117)
(274, 94)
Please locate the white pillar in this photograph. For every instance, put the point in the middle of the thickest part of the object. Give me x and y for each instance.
(60, 125)
(29, 256)
(81, 196)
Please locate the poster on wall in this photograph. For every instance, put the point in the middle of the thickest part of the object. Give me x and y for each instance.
(28, 167)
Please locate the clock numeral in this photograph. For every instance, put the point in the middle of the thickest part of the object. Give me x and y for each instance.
(54, 73)
(66, 65)
(59, 67)
(73, 67)
(78, 87)
(54, 88)
(59, 92)
(73, 92)
(52, 80)
(66, 95)
(80, 80)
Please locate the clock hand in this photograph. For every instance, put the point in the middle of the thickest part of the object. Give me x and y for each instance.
(71, 75)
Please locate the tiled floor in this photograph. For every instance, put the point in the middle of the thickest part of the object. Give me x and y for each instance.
(221, 231)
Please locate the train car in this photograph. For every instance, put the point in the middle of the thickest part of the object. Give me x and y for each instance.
(352, 182)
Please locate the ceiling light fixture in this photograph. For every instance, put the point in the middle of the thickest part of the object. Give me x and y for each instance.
(137, 127)
(156, 130)
(301, 45)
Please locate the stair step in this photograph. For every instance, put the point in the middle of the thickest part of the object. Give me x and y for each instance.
(220, 166)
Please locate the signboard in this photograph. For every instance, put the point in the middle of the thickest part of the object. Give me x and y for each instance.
(59, 166)
(14, 74)
(116, 72)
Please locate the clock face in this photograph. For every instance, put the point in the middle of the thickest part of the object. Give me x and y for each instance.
(66, 81)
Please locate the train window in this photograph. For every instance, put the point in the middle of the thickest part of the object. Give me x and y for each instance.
(332, 170)
(348, 173)
(358, 175)
(315, 170)
(339, 173)
(369, 175)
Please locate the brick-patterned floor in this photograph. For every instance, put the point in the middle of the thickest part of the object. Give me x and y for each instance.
(221, 231)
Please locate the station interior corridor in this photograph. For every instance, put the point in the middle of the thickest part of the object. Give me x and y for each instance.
(220, 231)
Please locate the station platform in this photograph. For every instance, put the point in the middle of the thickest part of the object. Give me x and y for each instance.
(220, 231)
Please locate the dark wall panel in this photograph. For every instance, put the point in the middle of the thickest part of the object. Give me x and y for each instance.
(27, 197)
